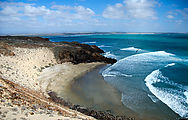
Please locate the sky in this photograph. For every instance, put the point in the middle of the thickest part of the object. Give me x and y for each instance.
(58, 16)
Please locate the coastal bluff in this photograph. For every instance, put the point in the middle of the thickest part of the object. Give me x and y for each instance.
(63, 51)
(24, 61)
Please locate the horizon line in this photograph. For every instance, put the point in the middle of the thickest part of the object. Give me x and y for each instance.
(82, 33)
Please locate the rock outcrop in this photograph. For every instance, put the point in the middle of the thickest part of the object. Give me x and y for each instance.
(99, 115)
(5, 49)
(23, 59)
(64, 51)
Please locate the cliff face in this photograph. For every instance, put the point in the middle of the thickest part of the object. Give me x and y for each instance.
(63, 51)
(22, 61)
(79, 53)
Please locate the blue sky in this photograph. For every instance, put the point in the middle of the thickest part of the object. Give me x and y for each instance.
(57, 16)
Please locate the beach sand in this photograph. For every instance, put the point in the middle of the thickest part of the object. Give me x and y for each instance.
(34, 69)
(60, 77)
(27, 64)
(39, 81)
(21, 103)
(92, 91)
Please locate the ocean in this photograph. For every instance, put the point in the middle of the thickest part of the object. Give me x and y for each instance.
(151, 72)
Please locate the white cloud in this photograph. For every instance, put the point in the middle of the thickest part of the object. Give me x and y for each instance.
(8, 10)
(22, 9)
(114, 11)
(140, 9)
(18, 16)
(62, 7)
(79, 11)
(35, 11)
(170, 16)
(31, 16)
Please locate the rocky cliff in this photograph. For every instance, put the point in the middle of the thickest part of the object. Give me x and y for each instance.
(22, 61)
(63, 51)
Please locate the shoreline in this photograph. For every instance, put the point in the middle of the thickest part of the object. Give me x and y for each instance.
(25, 95)
(61, 76)
(25, 59)
(93, 92)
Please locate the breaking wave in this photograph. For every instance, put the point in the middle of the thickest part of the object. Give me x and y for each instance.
(132, 64)
(174, 96)
(114, 74)
(89, 42)
(102, 46)
(131, 49)
(110, 55)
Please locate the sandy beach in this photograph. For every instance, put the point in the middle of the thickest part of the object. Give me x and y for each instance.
(27, 68)
(18, 102)
(37, 68)
(61, 76)
(28, 74)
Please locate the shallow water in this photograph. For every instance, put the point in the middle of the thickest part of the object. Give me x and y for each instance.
(151, 71)
(93, 92)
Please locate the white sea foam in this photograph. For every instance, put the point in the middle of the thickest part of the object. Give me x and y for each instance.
(134, 61)
(132, 64)
(114, 74)
(108, 75)
(171, 64)
(142, 63)
(186, 95)
(152, 56)
(173, 98)
(103, 46)
(89, 42)
(160, 53)
(153, 98)
(110, 55)
(131, 49)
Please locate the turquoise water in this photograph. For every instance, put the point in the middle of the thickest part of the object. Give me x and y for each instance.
(151, 71)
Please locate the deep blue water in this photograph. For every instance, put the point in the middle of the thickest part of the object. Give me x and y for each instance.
(152, 70)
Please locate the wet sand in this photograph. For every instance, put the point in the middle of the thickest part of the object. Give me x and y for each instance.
(93, 92)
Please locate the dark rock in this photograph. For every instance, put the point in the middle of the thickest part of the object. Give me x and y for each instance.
(32, 113)
(97, 49)
(5, 49)
(3, 115)
(24, 39)
(74, 107)
(48, 113)
(80, 54)
(83, 110)
(58, 100)
(64, 51)
(100, 115)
